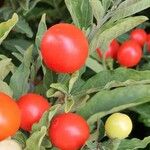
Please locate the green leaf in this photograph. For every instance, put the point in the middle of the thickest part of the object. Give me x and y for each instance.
(5, 27)
(13, 44)
(111, 144)
(81, 12)
(23, 27)
(69, 102)
(144, 113)
(106, 100)
(41, 30)
(101, 114)
(129, 8)
(63, 78)
(97, 9)
(46, 118)
(28, 5)
(6, 66)
(134, 144)
(18, 56)
(21, 138)
(59, 87)
(102, 38)
(106, 4)
(35, 140)
(19, 80)
(5, 88)
(91, 145)
(48, 78)
(74, 78)
(117, 84)
(94, 65)
(99, 81)
(50, 92)
(24, 4)
(127, 3)
(46, 143)
(99, 133)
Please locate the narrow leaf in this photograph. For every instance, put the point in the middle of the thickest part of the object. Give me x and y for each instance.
(81, 12)
(97, 9)
(21, 138)
(134, 144)
(106, 100)
(5, 27)
(23, 27)
(94, 65)
(19, 80)
(4, 87)
(46, 118)
(102, 38)
(132, 8)
(105, 78)
(60, 87)
(127, 3)
(6, 66)
(41, 30)
(35, 140)
(69, 102)
(106, 4)
(144, 113)
(73, 79)
(99, 115)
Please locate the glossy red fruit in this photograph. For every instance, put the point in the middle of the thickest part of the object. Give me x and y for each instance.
(10, 116)
(112, 50)
(32, 107)
(139, 35)
(68, 131)
(129, 54)
(64, 48)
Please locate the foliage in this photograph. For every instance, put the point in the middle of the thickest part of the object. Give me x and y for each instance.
(100, 88)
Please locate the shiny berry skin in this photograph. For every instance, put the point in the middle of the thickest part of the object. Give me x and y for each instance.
(68, 131)
(112, 50)
(129, 54)
(32, 107)
(139, 35)
(64, 48)
(118, 125)
(10, 144)
(10, 116)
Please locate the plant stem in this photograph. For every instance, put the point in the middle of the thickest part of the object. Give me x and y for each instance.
(115, 144)
(12, 4)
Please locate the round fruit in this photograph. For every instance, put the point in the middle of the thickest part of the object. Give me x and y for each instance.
(68, 131)
(9, 144)
(10, 116)
(32, 107)
(139, 35)
(64, 48)
(118, 125)
(112, 50)
(129, 54)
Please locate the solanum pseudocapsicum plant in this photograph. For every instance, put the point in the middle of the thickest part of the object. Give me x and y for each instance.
(81, 89)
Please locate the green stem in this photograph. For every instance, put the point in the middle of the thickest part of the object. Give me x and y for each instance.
(115, 144)
(104, 63)
(12, 4)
